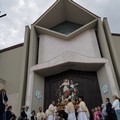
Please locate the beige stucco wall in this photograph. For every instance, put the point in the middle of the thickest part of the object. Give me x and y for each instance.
(10, 71)
(2, 83)
(105, 78)
(38, 86)
(84, 44)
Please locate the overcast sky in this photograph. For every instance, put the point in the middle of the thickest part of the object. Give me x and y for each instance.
(24, 12)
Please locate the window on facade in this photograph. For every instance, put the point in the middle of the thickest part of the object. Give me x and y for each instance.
(66, 27)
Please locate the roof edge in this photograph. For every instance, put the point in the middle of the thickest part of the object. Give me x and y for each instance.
(57, 1)
(115, 34)
(86, 10)
(34, 23)
(11, 47)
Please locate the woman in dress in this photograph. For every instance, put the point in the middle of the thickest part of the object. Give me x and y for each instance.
(83, 113)
(50, 111)
(70, 110)
(116, 106)
(96, 114)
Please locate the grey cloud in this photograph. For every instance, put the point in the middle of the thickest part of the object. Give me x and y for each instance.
(104, 8)
(24, 12)
(19, 14)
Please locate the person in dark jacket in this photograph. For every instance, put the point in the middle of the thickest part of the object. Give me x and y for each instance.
(9, 113)
(110, 112)
(3, 102)
(33, 115)
(23, 114)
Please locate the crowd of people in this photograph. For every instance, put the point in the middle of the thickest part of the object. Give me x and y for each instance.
(27, 115)
(106, 111)
(52, 112)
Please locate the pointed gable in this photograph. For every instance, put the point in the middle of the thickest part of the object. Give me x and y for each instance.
(65, 10)
(61, 11)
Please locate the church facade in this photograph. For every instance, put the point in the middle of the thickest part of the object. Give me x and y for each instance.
(66, 42)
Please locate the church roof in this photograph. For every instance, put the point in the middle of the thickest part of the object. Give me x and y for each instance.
(65, 10)
(61, 11)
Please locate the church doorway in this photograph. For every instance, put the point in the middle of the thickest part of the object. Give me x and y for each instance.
(86, 83)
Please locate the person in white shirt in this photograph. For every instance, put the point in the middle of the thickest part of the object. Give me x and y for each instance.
(116, 106)
(104, 113)
(28, 113)
(83, 113)
(70, 110)
(50, 111)
(40, 114)
(55, 113)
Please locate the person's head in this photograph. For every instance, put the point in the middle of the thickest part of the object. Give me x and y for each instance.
(65, 102)
(96, 109)
(9, 108)
(66, 80)
(3, 91)
(102, 106)
(69, 100)
(27, 108)
(53, 102)
(33, 112)
(81, 98)
(40, 109)
(115, 97)
(77, 101)
(23, 108)
(99, 109)
(107, 100)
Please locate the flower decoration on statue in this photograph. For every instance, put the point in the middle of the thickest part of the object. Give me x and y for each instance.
(67, 90)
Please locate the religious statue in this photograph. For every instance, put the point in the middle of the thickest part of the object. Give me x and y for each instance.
(66, 90)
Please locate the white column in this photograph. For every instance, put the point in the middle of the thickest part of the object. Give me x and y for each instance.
(31, 62)
(29, 92)
(113, 84)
